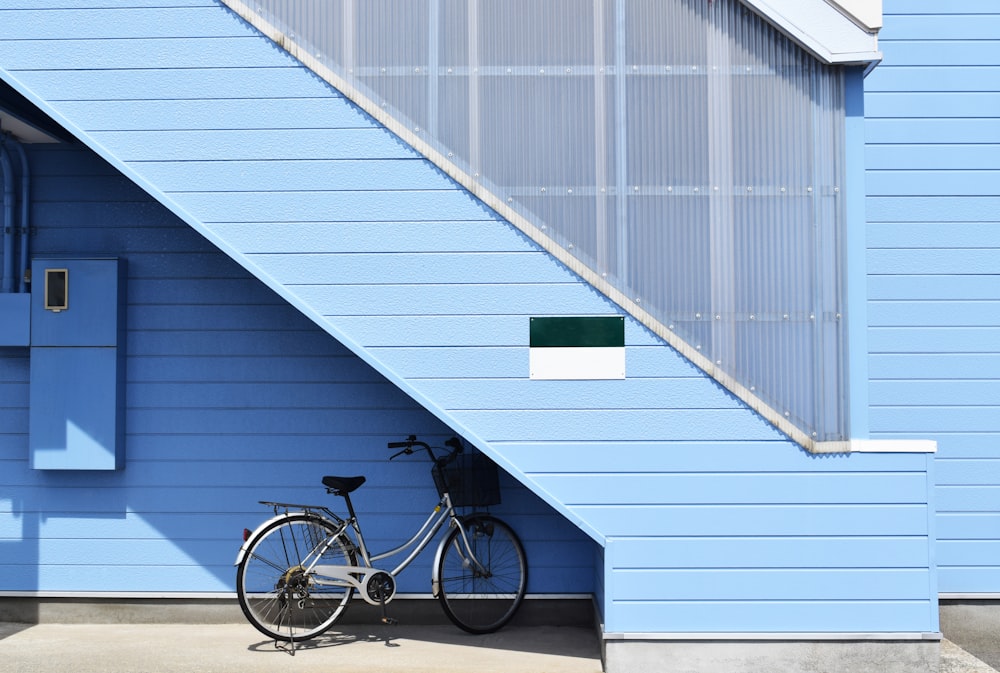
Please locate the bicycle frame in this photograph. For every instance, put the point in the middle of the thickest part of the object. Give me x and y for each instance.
(358, 576)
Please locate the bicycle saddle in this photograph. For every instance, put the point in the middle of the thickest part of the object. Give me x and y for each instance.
(341, 485)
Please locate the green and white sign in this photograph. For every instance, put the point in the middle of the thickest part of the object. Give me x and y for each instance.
(579, 348)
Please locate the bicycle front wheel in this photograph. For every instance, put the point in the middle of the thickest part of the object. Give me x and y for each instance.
(481, 586)
(278, 592)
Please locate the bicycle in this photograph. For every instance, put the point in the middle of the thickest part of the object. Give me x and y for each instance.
(297, 572)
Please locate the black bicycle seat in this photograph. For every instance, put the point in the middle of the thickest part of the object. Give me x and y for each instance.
(341, 485)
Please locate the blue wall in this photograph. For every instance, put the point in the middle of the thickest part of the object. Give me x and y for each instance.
(711, 519)
(933, 159)
(232, 396)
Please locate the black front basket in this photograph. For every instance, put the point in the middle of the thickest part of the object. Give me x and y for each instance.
(471, 479)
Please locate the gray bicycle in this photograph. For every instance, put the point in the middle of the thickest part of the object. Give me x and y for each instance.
(297, 572)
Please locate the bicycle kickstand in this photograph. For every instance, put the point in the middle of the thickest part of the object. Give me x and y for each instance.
(386, 619)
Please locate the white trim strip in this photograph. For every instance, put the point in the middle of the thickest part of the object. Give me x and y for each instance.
(785, 636)
(893, 446)
(969, 597)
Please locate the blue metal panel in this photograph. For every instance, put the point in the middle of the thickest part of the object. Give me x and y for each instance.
(92, 318)
(75, 416)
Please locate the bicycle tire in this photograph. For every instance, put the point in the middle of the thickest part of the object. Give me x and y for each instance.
(480, 602)
(277, 597)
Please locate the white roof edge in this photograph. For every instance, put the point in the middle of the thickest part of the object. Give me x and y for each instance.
(826, 29)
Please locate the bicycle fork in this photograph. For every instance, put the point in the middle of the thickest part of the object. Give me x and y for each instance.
(464, 548)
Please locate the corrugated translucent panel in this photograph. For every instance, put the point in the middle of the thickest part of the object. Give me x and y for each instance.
(683, 148)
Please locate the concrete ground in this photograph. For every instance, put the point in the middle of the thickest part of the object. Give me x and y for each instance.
(972, 645)
(974, 626)
(218, 648)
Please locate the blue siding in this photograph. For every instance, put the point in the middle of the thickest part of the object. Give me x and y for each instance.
(429, 287)
(933, 135)
(232, 397)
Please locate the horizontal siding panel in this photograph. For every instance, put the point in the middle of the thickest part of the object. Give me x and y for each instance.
(943, 26)
(769, 552)
(300, 271)
(150, 552)
(937, 8)
(194, 527)
(208, 115)
(938, 419)
(933, 208)
(968, 498)
(937, 78)
(115, 578)
(933, 183)
(265, 421)
(193, 52)
(948, 234)
(298, 395)
(934, 144)
(202, 292)
(944, 340)
(735, 489)
(237, 343)
(934, 261)
(261, 144)
(953, 288)
(297, 176)
(515, 394)
(191, 317)
(965, 472)
(983, 313)
(699, 457)
(402, 300)
(941, 52)
(483, 236)
(968, 526)
(260, 370)
(13, 421)
(770, 585)
(776, 616)
(969, 580)
(157, 84)
(929, 365)
(958, 553)
(625, 425)
(935, 392)
(165, 21)
(13, 394)
(372, 206)
(764, 520)
(937, 131)
(957, 104)
(102, 4)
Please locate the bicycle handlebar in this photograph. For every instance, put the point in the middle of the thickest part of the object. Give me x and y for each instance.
(455, 444)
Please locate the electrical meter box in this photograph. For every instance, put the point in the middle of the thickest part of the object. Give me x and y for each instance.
(77, 396)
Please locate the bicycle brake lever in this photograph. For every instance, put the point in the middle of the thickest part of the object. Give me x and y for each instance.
(407, 451)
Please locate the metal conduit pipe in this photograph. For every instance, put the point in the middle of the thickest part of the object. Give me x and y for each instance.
(8, 219)
(23, 278)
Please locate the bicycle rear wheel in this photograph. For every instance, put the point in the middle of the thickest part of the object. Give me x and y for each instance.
(278, 595)
(482, 598)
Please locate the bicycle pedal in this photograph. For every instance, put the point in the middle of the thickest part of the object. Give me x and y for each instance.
(390, 621)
